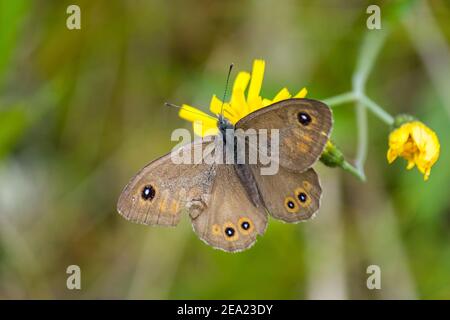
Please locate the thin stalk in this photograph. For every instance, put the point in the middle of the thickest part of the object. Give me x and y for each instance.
(353, 170)
(377, 110)
(362, 141)
(340, 99)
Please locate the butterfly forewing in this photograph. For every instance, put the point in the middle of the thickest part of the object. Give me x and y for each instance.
(304, 128)
(161, 190)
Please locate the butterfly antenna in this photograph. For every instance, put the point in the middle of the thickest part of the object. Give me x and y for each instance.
(226, 88)
(167, 104)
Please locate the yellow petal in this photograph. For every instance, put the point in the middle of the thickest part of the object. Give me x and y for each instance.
(419, 135)
(266, 102)
(202, 128)
(417, 144)
(257, 79)
(255, 104)
(238, 103)
(232, 115)
(201, 121)
(215, 105)
(426, 175)
(283, 94)
(426, 141)
(399, 137)
(302, 93)
(391, 155)
(241, 81)
(192, 114)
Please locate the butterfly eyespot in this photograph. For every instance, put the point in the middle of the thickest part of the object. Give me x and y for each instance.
(215, 229)
(245, 225)
(148, 192)
(307, 185)
(302, 196)
(229, 232)
(304, 118)
(290, 205)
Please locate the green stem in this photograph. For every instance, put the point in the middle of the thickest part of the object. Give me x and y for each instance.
(369, 51)
(370, 48)
(356, 172)
(362, 136)
(364, 100)
(340, 99)
(376, 110)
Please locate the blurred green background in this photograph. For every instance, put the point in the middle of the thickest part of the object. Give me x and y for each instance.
(81, 111)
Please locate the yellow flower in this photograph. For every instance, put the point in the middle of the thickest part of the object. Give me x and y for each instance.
(417, 143)
(239, 105)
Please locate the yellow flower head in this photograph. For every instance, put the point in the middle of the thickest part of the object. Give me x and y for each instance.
(239, 105)
(417, 143)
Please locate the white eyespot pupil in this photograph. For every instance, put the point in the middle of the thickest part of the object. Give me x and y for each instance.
(229, 232)
(148, 193)
(304, 118)
(302, 196)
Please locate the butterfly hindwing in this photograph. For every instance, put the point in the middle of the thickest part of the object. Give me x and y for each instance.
(230, 222)
(289, 196)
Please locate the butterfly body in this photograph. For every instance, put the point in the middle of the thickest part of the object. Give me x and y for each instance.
(229, 203)
(243, 171)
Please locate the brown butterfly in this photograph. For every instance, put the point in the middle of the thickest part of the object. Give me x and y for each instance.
(229, 203)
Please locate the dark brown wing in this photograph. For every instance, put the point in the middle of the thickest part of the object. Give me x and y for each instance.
(304, 128)
(159, 192)
(231, 222)
(289, 196)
